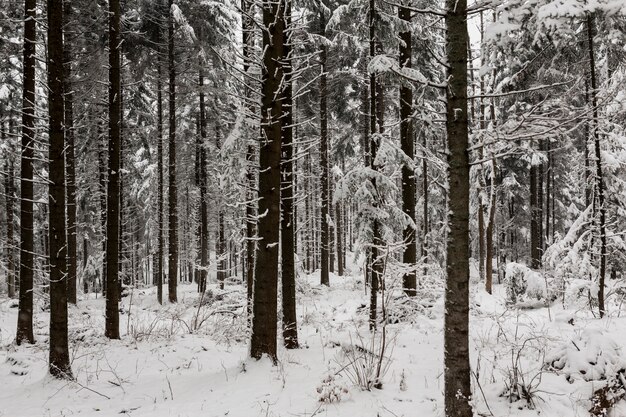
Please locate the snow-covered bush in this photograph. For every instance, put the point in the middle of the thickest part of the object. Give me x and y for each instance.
(331, 390)
(524, 285)
(590, 355)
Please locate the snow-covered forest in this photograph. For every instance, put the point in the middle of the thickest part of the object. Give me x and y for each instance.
(373, 208)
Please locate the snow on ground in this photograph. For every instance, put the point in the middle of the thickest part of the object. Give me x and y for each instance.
(186, 360)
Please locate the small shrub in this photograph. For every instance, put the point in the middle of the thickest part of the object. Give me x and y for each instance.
(331, 390)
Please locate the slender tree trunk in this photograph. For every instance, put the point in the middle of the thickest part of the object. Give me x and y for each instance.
(456, 321)
(86, 277)
(598, 157)
(102, 168)
(160, 237)
(376, 130)
(112, 330)
(425, 207)
(221, 244)
(535, 261)
(204, 226)
(548, 173)
(27, 245)
(340, 237)
(540, 208)
(9, 189)
(59, 358)
(72, 258)
(409, 256)
(481, 238)
(324, 181)
(308, 215)
(221, 249)
(288, 269)
(264, 317)
(490, 230)
(173, 198)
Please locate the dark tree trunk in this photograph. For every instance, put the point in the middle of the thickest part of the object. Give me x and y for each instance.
(375, 262)
(324, 182)
(102, 167)
(160, 237)
(340, 238)
(308, 216)
(290, 325)
(540, 207)
(599, 175)
(27, 245)
(409, 256)
(264, 326)
(112, 330)
(481, 237)
(204, 227)
(172, 274)
(9, 190)
(221, 249)
(548, 173)
(489, 253)
(72, 257)
(535, 257)
(425, 207)
(86, 277)
(456, 322)
(59, 358)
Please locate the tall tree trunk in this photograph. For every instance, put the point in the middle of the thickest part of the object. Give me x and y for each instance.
(221, 244)
(265, 313)
(172, 192)
(340, 237)
(456, 321)
(59, 358)
(27, 245)
(72, 258)
(409, 256)
(86, 277)
(308, 215)
(288, 269)
(160, 237)
(481, 238)
(548, 173)
(598, 157)
(490, 230)
(324, 181)
(425, 207)
(204, 226)
(535, 256)
(112, 330)
(540, 208)
(221, 249)
(9, 190)
(102, 181)
(376, 130)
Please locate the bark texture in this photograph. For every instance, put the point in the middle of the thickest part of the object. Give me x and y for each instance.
(27, 241)
(264, 314)
(59, 357)
(457, 389)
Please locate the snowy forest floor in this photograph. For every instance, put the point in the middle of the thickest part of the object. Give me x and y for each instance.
(186, 360)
